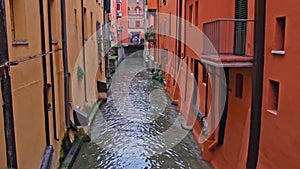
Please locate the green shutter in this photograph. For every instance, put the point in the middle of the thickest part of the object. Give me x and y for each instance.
(241, 9)
(107, 6)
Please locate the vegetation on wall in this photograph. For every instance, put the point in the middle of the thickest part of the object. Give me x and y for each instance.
(64, 147)
(80, 73)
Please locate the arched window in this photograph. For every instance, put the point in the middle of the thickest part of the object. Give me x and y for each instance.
(137, 10)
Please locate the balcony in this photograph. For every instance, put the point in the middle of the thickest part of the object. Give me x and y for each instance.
(233, 42)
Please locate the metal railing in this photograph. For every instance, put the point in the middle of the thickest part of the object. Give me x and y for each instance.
(233, 37)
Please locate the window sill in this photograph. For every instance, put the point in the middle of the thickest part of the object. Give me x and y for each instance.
(54, 42)
(278, 52)
(20, 42)
(274, 112)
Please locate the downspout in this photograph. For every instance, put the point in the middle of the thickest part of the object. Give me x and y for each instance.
(206, 92)
(179, 33)
(65, 63)
(223, 120)
(83, 50)
(47, 157)
(43, 48)
(184, 41)
(257, 83)
(52, 72)
(11, 154)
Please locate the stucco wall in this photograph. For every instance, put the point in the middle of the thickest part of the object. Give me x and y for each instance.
(27, 78)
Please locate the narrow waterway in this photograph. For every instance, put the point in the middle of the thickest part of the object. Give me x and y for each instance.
(138, 132)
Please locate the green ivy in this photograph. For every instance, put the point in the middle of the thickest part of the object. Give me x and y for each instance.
(80, 73)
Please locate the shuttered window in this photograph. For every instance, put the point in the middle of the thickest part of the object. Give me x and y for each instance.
(241, 9)
(241, 12)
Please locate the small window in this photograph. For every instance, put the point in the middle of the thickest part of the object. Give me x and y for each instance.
(54, 25)
(18, 20)
(118, 6)
(92, 27)
(137, 24)
(280, 33)
(137, 10)
(85, 23)
(196, 13)
(274, 95)
(239, 86)
(191, 15)
(75, 21)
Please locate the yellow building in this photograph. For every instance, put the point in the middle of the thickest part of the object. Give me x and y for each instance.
(38, 90)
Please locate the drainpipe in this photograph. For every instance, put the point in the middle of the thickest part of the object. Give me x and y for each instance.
(223, 120)
(83, 50)
(185, 18)
(52, 72)
(7, 106)
(46, 86)
(257, 83)
(179, 32)
(206, 92)
(65, 62)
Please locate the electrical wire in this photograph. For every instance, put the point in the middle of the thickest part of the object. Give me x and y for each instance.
(16, 62)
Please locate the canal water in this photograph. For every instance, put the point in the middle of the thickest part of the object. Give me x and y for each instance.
(136, 130)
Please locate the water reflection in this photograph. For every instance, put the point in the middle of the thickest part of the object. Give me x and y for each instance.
(120, 142)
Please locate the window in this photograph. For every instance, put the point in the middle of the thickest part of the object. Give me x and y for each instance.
(92, 27)
(137, 10)
(280, 33)
(137, 1)
(85, 24)
(239, 80)
(18, 20)
(54, 26)
(75, 19)
(204, 74)
(164, 2)
(196, 13)
(137, 24)
(274, 95)
(241, 9)
(118, 6)
(191, 15)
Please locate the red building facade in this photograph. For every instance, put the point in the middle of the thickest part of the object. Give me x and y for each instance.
(229, 26)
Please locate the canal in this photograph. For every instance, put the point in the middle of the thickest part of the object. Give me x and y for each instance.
(128, 130)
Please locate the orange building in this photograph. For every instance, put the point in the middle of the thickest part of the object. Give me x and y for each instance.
(228, 67)
(279, 145)
(45, 89)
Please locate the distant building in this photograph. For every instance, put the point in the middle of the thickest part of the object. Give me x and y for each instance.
(135, 19)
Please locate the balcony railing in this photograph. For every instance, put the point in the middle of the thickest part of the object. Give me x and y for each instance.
(230, 37)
